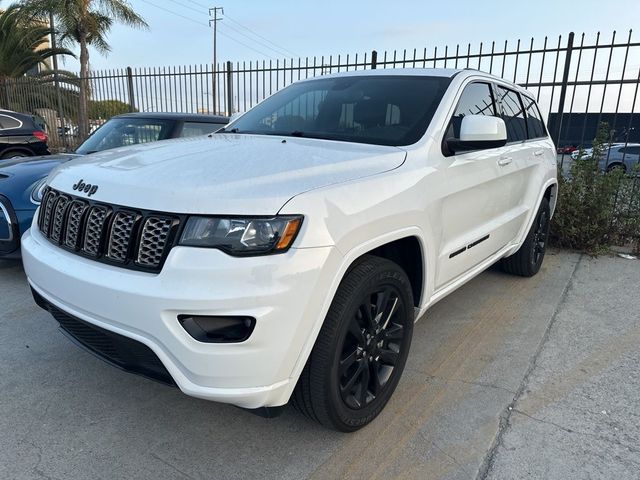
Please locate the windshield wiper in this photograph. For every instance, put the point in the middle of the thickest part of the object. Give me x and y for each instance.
(297, 133)
(233, 130)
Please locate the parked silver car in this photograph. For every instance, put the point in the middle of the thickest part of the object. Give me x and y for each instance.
(618, 155)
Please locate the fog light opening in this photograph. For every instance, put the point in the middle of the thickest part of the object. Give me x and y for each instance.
(217, 329)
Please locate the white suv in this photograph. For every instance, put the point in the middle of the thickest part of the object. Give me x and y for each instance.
(288, 256)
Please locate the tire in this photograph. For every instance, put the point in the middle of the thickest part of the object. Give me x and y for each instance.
(14, 154)
(343, 360)
(527, 261)
(614, 167)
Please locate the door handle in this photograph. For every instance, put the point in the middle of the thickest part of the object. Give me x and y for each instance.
(537, 153)
(505, 161)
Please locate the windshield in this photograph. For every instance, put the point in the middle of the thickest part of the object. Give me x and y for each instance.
(382, 110)
(120, 132)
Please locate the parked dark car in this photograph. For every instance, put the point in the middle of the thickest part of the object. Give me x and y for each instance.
(22, 135)
(22, 179)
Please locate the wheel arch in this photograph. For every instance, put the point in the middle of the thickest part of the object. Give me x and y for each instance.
(13, 149)
(407, 253)
(551, 194)
(383, 245)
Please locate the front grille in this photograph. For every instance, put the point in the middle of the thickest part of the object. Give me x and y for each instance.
(118, 350)
(113, 234)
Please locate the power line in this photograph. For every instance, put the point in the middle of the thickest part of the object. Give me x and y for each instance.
(206, 26)
(277, 51)
(260, 36)
(198, 4)
(176, 14)
(184, 5)
(248, 46)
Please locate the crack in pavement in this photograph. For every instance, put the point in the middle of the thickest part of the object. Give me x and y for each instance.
(577, 432)
(469, 382)
(505, 417)
(170, 465)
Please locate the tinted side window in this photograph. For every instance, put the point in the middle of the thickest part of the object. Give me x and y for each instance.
(476, 99)
(193, 129)
(9, 122)
(513, 115)
(534, 120)
(633, 150)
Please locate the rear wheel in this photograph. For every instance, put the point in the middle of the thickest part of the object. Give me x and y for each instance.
(527, 260)
(14, 154)
(361, 350)
(616, 167)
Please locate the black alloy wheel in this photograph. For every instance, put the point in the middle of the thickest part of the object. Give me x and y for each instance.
(362, 347)
(371, 347)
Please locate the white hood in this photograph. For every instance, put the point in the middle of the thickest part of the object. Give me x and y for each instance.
(222, 174)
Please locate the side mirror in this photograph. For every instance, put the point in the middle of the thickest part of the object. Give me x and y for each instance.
(478, 132)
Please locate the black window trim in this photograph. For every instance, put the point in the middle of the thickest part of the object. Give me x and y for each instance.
(524, 113)
(545, 133)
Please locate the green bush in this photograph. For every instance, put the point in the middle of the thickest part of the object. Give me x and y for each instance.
(596, 209)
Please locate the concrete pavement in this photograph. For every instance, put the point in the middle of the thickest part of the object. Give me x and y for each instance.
(489, 346)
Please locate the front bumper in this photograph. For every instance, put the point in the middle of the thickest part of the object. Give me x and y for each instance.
(285, 294)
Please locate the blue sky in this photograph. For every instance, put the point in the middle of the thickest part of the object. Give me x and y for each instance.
(348, 26)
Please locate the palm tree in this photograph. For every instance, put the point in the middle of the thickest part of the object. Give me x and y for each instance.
(21, 44)
(86, 23)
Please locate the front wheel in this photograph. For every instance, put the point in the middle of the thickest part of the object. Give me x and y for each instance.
(527, 261)
(361, 350)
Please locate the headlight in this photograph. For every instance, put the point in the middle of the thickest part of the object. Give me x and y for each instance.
(242, 236)
(37, 191)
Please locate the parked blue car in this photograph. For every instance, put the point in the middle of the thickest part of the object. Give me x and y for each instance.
(22, 179)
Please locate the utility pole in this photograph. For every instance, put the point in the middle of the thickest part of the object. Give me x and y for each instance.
(57, 83)
(214, 23)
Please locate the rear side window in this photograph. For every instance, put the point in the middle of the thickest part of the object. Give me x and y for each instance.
(193, 129)
(633, 150)
(7, 122)
(513, 115)
(476, 99)
(534, 119)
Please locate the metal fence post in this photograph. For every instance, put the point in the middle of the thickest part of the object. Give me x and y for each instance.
(5, 84)
(374, 59)
(563, 87)
(229, 88)
(132, 101)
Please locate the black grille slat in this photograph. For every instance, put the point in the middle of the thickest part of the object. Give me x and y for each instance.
(120, 236)
(46, 210)
(59, 211)
(112, 234)
(74, 221)
(93, 230)
(155, 235)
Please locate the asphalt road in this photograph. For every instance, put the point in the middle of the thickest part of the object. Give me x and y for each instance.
(507, 378)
